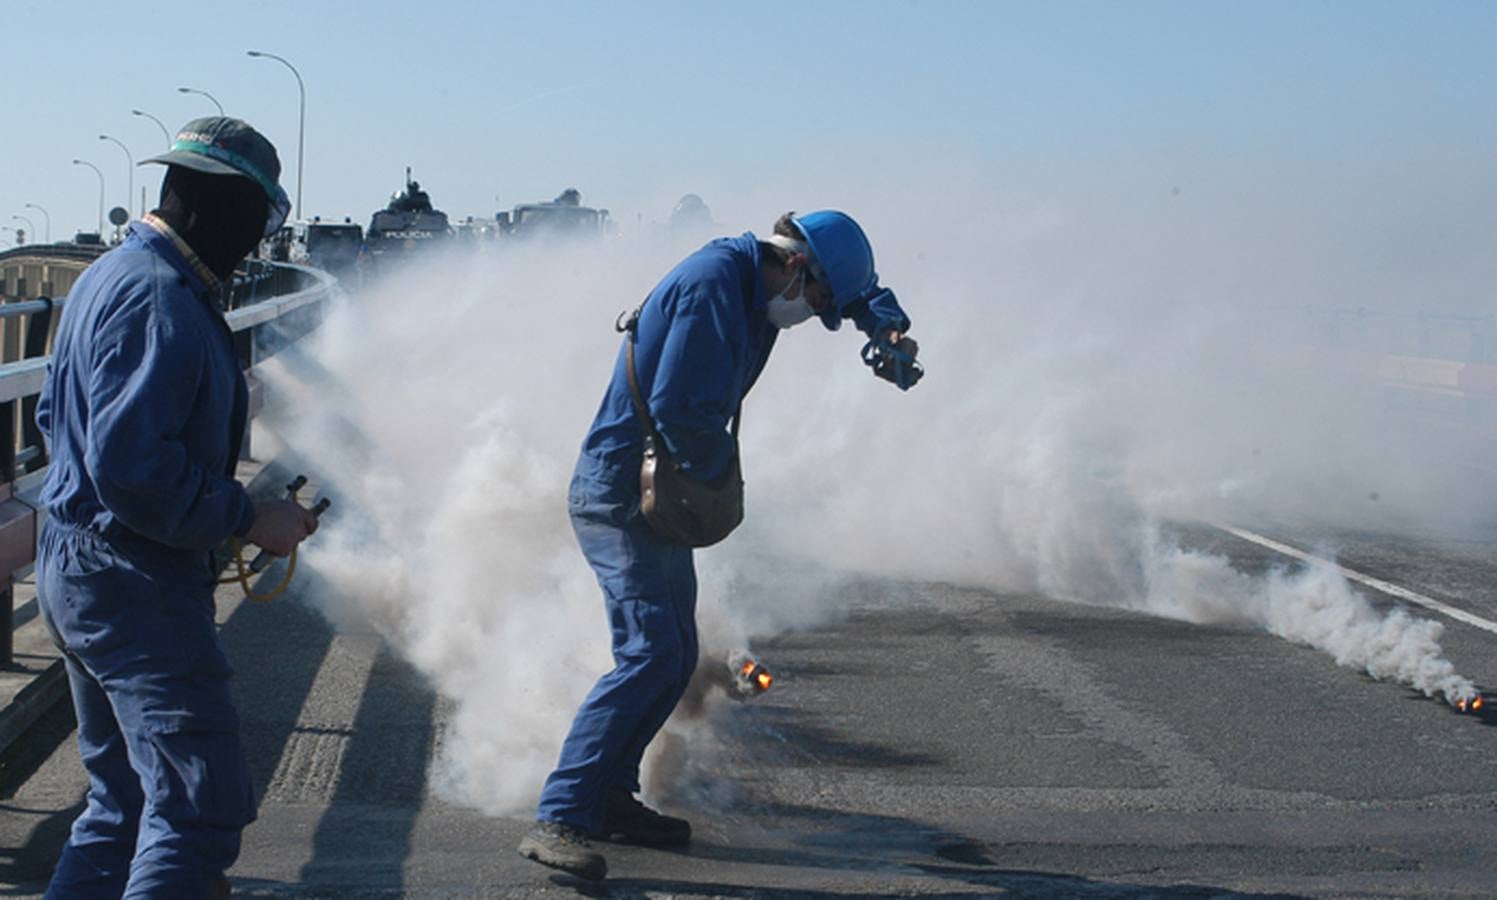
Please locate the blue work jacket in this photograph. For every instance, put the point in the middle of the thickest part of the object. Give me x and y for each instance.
(144, 408)
(703, 338)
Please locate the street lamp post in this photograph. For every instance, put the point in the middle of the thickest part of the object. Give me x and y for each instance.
(301, 126)
(129, 171)
(28, 225)
(187, 90)
(159, 124)
(84, 162)
(46, 217)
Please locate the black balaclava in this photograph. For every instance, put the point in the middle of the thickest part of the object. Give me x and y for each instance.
(221, 217)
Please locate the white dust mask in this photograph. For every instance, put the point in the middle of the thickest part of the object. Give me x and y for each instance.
(784, 312)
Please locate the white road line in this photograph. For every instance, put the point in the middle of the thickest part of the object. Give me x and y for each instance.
(1377, 584)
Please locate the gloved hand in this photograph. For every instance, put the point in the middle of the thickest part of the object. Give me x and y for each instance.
(904, 344)
(280, 525)
(892, 358)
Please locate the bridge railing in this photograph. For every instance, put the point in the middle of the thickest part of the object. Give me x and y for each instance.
(271, 307)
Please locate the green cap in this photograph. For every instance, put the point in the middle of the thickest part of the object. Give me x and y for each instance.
(220, 145)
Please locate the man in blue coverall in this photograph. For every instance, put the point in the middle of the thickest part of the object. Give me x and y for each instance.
(144, 410)
(702, 338)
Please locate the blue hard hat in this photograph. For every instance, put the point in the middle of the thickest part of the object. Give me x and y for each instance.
(844, 256)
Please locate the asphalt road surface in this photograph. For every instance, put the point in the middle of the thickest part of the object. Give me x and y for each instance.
(938, 742)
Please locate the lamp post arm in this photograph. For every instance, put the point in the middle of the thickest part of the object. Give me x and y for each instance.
(129, 170)
(159, 124)
(46, 217)
(301, 124)
(188, 90)
(84, 162)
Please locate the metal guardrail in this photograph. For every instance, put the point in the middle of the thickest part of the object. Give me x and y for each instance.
(255, 279)
(22, 379)
(260, 326)
(25, 307)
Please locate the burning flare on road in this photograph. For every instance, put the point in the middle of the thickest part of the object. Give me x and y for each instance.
(755, 676)
(1471, 704)
(750, 677)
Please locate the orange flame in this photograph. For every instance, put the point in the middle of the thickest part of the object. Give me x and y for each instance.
(1471, 704)
(754, 676)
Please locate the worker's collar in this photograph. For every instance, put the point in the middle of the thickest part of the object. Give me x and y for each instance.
(210, 281)
(789, 244)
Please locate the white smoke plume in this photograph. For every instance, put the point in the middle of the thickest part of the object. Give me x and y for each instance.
(1316, 607)
(1097, 365)
(445, 413)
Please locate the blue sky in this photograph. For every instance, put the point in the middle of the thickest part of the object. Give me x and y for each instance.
(637, 103)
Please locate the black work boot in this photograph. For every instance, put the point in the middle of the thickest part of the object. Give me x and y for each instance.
(564, 847)
(628, 821)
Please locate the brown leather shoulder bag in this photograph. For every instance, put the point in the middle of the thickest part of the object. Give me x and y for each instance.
(678, 507)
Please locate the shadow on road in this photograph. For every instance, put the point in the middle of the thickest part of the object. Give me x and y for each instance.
(382, 781)
(801, 735)
(277, 649)
(858, 842)
(1003, 883)
(882, 849)
(29, 867)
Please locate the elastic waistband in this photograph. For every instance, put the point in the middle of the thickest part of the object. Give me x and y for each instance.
(57, 529)
(142, 551)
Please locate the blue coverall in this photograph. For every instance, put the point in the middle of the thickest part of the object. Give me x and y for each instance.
(144, 410)
(703, 337)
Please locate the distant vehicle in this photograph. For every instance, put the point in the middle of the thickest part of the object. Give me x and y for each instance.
(333, 247)
(564, 216)
(277, 247)
(476, 231)
(690, 214)
(407, 224)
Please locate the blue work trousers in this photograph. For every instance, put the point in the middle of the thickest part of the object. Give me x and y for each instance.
(168, 787)
(650, 591)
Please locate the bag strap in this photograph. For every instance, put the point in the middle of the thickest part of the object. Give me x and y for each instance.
(628, 323)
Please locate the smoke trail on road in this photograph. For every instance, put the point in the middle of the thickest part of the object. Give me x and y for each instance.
(1316, 607)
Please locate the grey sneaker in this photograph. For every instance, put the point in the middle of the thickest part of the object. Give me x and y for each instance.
(628, 821)
(564, 847)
